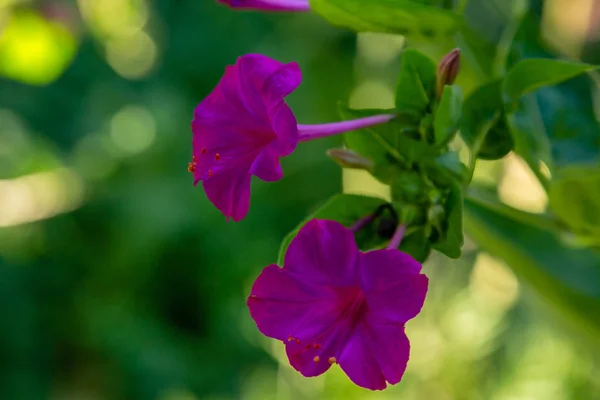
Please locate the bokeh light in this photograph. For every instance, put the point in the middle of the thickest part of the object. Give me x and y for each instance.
(33, 50)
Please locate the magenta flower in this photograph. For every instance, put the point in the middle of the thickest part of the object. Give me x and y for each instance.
(332, 303)
(269, 5)
(244, 126)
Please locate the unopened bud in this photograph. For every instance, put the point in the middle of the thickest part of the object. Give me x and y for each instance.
(350, 159)
(448, 70)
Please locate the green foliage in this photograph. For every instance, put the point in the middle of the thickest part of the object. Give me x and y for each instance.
(411, 155)
(405, 17)
(555, 124)
(416, 82)
(482, 127)
(531, 74)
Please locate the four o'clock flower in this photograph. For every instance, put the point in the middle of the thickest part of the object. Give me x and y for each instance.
(269, 5)
(331, 303)
(244, 126)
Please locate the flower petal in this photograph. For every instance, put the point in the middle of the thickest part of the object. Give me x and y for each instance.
(358, 361)
(278, 302)
(390, 347)
(253, 70)
(400, 303)
(312, 358)
(229, 191)
(394, 289)
(266, 166)
(285, 127)
(281, 83)
(323, 253)
(380, 269)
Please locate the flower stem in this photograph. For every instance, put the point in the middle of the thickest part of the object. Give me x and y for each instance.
(311, 132)
(397, 238)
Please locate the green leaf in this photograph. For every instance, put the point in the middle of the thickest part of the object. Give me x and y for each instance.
(447, 115)
(568, 278)
(529, 75)
(575, 198)
(529, 135)
(346, 209)
(482, 125)
(416, 82)
(405, 17)
(563, 125)
(452, 241)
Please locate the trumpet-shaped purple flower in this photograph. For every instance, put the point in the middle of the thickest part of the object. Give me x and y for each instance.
(244, 126)
(269, 5)
(332, 303)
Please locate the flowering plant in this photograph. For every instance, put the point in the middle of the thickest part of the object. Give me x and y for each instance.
(349, 278)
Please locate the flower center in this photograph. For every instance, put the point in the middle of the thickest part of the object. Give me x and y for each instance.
(356, 307)
(326, 344)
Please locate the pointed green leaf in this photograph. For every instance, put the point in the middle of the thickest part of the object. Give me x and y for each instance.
(555, 124)
(529, 135)
(482, 125)
(416, 82)
(529, 75)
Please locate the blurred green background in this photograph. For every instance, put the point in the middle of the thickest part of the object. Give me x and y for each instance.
(119, 280)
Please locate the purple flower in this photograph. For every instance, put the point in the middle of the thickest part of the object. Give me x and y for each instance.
(244, 126)
(269, 5)
(332, 303)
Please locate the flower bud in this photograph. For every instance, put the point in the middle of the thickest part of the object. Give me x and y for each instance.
(350, 159)
(447, 70)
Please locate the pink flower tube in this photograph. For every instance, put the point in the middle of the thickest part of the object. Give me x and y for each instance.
(269, 5)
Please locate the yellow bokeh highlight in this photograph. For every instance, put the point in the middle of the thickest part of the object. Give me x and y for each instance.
(39, 196)
(132, 56)
(33, 50)
(114, 18)
(520, 188)
(120, 26)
